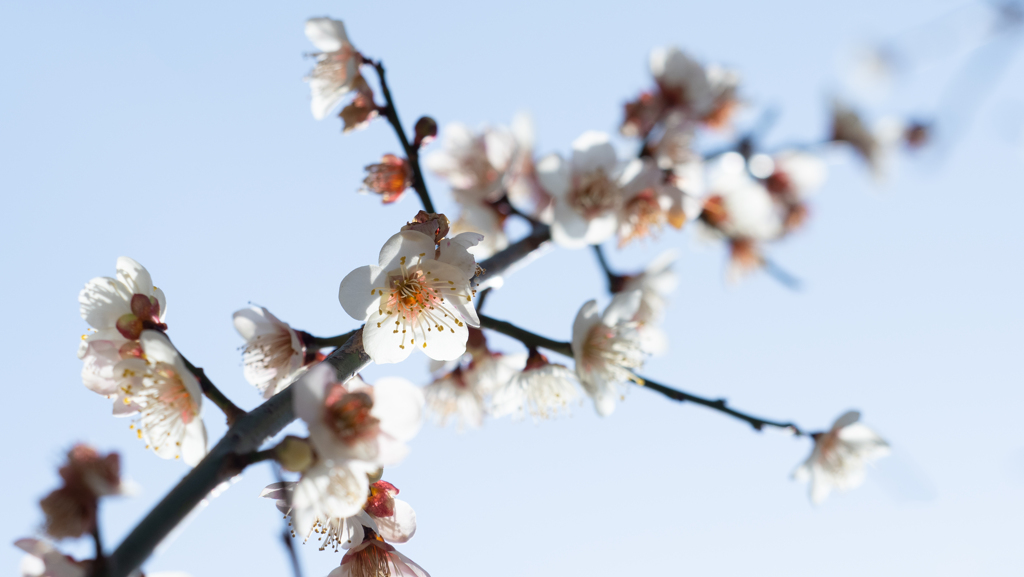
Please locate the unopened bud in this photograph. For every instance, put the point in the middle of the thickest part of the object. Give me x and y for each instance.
(294, 454)
(435, 226)
(426, 130)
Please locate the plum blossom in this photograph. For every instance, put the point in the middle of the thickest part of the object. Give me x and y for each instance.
(393, 519)
(840, 456)
(607, 347)
(168, 398)
(375, 558)
(418, 297)
(337, 65)
(651, 200)
(275, 354)
(70, 510)
(44, 560)
(587, 191)
(355, 429)
(117, 310)
(542, 389)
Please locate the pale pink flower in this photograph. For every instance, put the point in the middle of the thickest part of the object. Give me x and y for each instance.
(840, 456)
(375, 558)
(419, 297)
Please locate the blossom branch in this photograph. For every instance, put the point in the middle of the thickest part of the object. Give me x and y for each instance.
(614, 280)
(533, 340)
(412, 153)
(232, 411)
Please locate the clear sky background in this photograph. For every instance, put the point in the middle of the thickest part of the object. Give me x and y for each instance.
(180, 134)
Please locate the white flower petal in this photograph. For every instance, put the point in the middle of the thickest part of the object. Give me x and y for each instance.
(326, 34)
(193, 446)
(134, 276)
(399, 406)
(102, 302)
(408, 244)
(591, 151)
(401, 526)
(622, 308)
(554, 175)
(355, 294)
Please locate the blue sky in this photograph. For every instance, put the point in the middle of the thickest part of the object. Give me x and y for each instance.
(180, 134)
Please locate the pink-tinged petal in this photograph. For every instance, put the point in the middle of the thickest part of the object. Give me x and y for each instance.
(622, 308)
(193, 446)
(326, 34)
(591, 151)
(134, 276)
(455, 251)
(408, 244)
(554, 175)
(399, 406)
(102, 302)
(405, 567)
(357, 293)
(586, 318)
(98, 367)
(399, 527)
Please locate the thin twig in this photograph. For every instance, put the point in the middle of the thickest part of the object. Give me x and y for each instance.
(614, 280)
(412, 153)
(534, 340)
(481, 298)
(232, 411)
(335, 341)
(97, 540)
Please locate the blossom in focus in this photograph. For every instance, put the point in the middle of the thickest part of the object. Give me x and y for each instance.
(391, 518)
(70, 511)
(275, 354)
(840, 456)
(374, 557)
(44, 560)
(355, 429)
(419, 296)
(389, 178)
(587, 191)
(607, 347)
(337, 65)
(542, 389)
(117, 309)
(168, 398)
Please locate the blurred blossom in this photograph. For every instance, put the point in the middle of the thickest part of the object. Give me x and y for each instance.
(794, 175)
(462, 393)
(487, 221)
(355, 429)
(358, 114)
(840, 456)
(117, 309)
(607, 348)
(648, 202)
(337, 65)
(168, 399)
(275, 354)
(71, 510)
(389, 178)
(655, 283)
(44, 560)
(542, 389)
(418, 297)
(875, 146)
(586, 190)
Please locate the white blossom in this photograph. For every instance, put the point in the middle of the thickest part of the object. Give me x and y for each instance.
(840, 456)
(587, 191)
(168, 398)
(104, 303)
(418, 297)
(337, 67)
(541, 389)
(607, 347)
(274, 353)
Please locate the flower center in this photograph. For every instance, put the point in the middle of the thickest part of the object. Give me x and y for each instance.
(612, 351)
(348, 415)
(166, 406)
(415, 299)
(643, 216)
(594, 194)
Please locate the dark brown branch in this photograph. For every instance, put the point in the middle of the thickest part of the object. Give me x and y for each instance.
(534, 340)
(232, 411)
(412, 153)
(615, 281)
(335, 341)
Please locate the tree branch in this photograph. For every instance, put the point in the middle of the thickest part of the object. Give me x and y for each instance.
(412, 153)
(534, 340)
(335, 341)
(232, 411)
(615, 281)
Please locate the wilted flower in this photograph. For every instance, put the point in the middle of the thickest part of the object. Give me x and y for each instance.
(168, 398)
(358, 114)
(541, 389)
(419, 297)
(275, 354)
(117, 309)
(389, 178)
(375, 558)
(587, 191)
(607, 347)
(839, 456)
(337, 65)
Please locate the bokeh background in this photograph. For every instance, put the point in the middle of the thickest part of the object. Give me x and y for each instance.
(180, 134)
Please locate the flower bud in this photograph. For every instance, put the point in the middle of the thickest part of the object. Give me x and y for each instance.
(426, 130)
(435, 226)
(294, 454)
